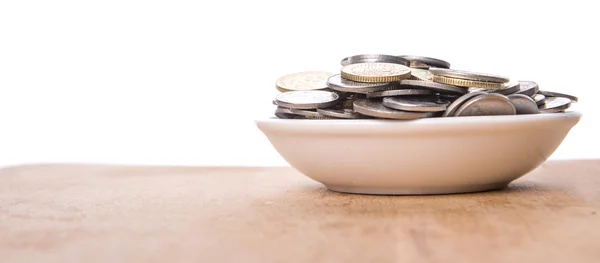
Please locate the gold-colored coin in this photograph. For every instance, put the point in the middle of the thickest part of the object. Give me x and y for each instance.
(309, 80)
(375, 72)
(420, 74)
(468, 83)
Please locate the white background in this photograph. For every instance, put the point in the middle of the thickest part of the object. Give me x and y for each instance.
(180, 82)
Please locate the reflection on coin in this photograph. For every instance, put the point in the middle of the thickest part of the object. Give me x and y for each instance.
(420, 74)
(341, 113)
(310, 80)
(337, 83)
(509, 88)
(308, 99)
(421, 62)
(375, 72)
(528, 88)
(369, 58)
(486, 104)
(375, 108)
(556, 94)
(407, 83)
(523, 104)
(416, 103)
(284, 113)
(458, 102)
(468, 75)
(398, 92)
(467, 83)
(555, 104)
(539, 99)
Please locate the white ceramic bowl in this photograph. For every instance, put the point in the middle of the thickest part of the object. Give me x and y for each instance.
(425, 156)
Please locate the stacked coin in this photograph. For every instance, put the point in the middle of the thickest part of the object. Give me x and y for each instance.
(408, 87)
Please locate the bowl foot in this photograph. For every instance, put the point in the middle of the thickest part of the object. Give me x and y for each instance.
(429, 190)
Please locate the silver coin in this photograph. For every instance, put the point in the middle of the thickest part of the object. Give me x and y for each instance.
(523, 104)
(539, 99)
(307, 99)
(309, 114)
(284, 113)
(528, 88)
(341, 113)
(416, 103)
(479, 89)
(337, 83)
(468, 75)
(443, 88)
(375, 108)
(449, 96)
(459, 101)
(556, 94)
(369, 58)
(510, 88)
(420, 62)
(398, 92)
(486, 104)
(555, 104)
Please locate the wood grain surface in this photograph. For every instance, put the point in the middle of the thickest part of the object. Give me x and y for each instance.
(94, 213)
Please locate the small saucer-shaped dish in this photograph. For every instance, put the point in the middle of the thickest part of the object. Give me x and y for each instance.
(424, 156)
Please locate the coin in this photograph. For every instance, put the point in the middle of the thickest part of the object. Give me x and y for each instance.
(523, 104)
(468, 75)
(510, 88)
(341, 113)
(408, 87)
(375, 108)
(555, 104)
(433, 86)
(420, 74)
(307, 99)
(486, 104)
(528, 88)
(337, 83)
(425, 62)
(449, 96)
(398, 92)
(556, 94)
(467, 83)
(375, 72)
(348, 101)
(539, 99)
(458, 102)
(309, 80)
(416, 103)
(284, 113)
(369, 58)
(309, 114)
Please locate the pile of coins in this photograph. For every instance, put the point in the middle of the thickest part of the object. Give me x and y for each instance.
(406, 88)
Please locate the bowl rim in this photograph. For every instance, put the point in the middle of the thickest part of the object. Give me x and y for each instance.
(461, 124)
(436, 120)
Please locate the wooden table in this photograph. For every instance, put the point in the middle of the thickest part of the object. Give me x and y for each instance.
(88, 213)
